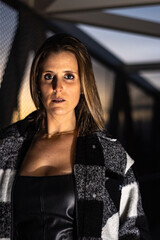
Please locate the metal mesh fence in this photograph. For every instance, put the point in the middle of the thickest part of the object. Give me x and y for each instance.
(21, 34)
(8, 26)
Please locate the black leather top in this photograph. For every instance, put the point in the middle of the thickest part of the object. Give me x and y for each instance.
(43, 207)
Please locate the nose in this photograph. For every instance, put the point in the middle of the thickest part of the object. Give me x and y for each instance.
(57, 84)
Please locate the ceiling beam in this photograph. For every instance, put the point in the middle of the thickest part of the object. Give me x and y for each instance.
(142, 66)
(104, 56)
(112, 21)
(61, 6)
(96, 50)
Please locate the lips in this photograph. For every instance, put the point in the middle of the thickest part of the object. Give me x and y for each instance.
(58, 100)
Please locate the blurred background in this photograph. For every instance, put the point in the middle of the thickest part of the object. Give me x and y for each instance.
(123, 38)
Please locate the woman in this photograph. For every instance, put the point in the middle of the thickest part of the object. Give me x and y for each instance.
(62, 176)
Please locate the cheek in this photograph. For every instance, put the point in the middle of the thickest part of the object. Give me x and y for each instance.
(76, 95)
(45, 91)
(45, 96)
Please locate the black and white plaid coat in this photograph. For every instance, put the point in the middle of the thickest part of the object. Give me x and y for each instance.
(108, 199)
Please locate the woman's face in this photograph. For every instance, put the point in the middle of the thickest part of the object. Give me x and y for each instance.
(60, 83)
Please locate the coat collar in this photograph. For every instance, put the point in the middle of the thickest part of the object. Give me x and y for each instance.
(98, 148)
(101, 149)
(115, 156)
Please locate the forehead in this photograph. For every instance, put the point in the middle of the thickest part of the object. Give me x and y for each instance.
(61, 59)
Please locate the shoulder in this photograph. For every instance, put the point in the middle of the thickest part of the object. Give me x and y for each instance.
(9, 131)
(115, 156)
(18, 128)
(110, 143)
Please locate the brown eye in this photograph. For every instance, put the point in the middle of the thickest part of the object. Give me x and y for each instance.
(48, 76)
(69, 76)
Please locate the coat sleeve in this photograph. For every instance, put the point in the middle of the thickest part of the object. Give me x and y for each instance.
(133, 222)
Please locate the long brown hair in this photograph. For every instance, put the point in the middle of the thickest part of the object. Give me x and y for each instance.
(89, 113)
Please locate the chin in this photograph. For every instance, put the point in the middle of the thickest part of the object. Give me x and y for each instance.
(57, 111)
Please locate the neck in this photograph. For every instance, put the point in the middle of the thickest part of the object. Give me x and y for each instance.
(60, 124)
(72, 132)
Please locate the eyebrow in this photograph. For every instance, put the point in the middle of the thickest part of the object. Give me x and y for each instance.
(67, 71)
(70, 71)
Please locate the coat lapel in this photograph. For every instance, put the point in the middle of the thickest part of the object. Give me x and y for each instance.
(98, 175)
(89, 172)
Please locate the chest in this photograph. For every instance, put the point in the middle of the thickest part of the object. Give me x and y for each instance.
(49, 157)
